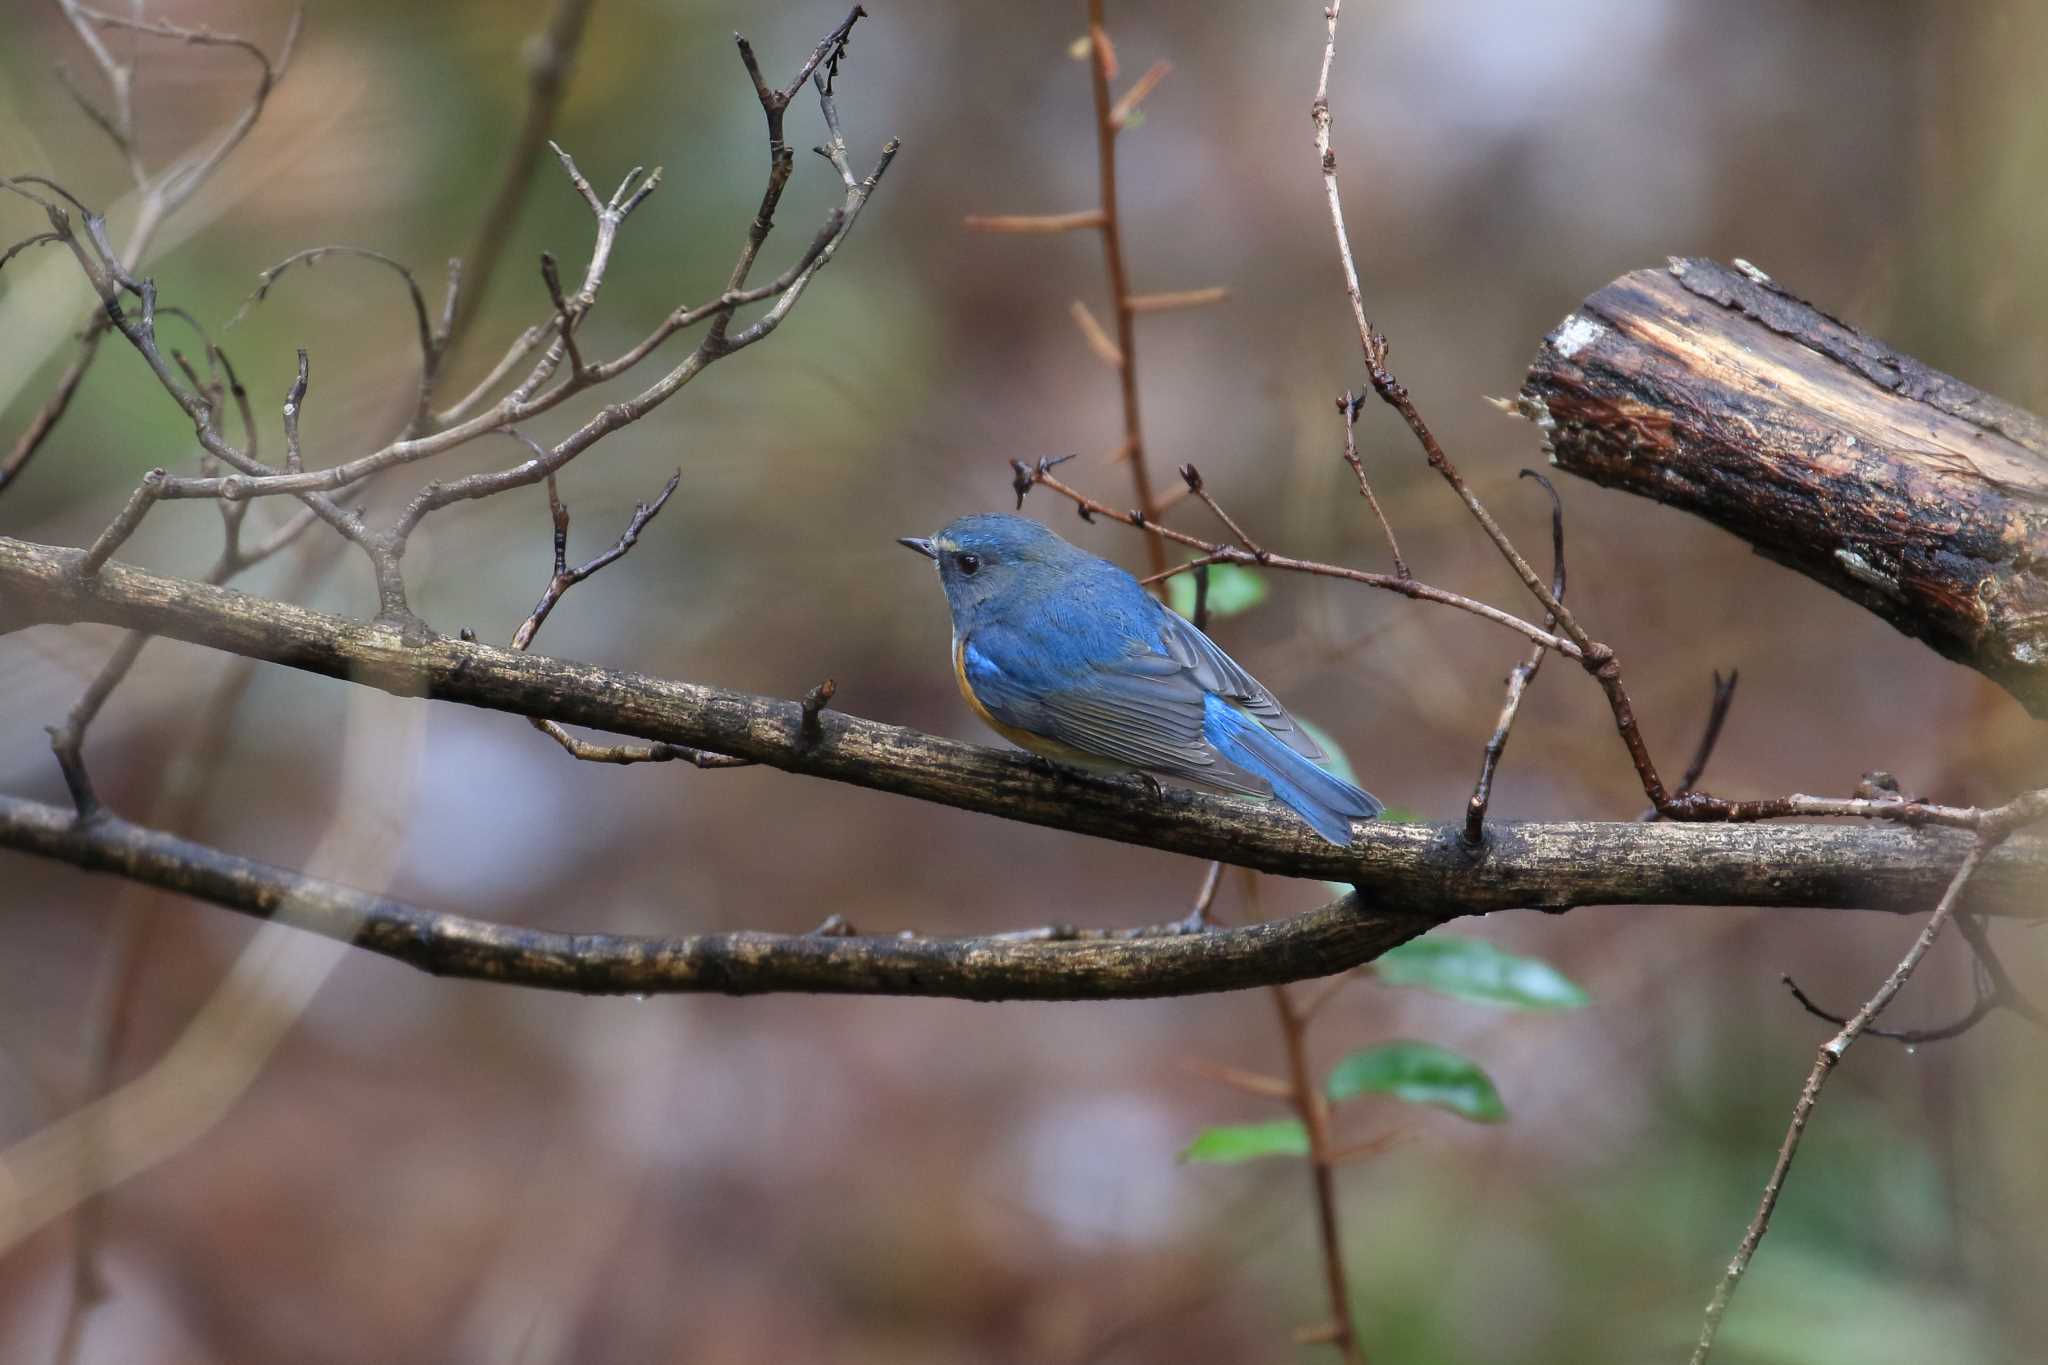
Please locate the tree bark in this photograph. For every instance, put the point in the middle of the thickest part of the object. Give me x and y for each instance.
(1406, 870)
(1715, 391)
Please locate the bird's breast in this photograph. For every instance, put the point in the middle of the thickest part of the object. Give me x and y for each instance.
(1023, 739)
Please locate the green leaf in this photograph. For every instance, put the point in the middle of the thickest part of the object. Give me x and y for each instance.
(1400, 815)
(1473, 969)
(1232, 591)
(1246, 1141)
(1420, 1073)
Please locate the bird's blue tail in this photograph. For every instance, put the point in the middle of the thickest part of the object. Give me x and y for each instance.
(1322, 798)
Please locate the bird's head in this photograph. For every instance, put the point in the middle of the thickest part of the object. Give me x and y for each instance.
(987, 558)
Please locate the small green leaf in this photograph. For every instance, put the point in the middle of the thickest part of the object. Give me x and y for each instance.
(1400, 815)
(1420, 1073)
(1246, 1141)
(1232, 591)
(1473, 969)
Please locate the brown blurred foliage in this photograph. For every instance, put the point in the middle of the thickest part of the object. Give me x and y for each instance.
(432, 1172)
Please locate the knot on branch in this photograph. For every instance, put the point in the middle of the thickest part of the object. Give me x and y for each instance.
(1028, 476)
(815, 701)
(1691, 805)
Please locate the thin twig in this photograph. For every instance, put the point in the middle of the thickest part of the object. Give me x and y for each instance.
(1995, 989)
(1034, 224)
(565, 578)
(1596, 658)
(119, 125)
(385, 546)
(1193, 478)
(1196, 920)
(112, 281)
(1171, 300)
(181, 787)
(1314, 1112)
(161, 195)
(550, 55)
(67, 741)
(432, 338)
(1710, 735)
(1911, 1037)
(1127, 104)
(1519, 677)
(138, 505)
(36, 239)
(1824, 1063)
(2000, 984)
(1717, 716)
(294, 402)
(1029, 476)
(565, 317)
(1347, 406)
(1101, 62)
(1250, 1082)
(198, 37)
(1099, 341)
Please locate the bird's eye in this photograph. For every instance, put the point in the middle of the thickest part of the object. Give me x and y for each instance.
(968, 564)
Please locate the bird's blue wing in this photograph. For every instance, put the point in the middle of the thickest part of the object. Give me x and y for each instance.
(1127, 704)
(1214, 671)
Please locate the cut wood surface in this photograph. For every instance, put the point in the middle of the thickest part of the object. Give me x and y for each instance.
(1712, 389)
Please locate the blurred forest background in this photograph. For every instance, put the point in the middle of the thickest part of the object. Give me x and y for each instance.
(458, 1172)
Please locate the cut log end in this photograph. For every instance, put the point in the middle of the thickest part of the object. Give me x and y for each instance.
(1714, 390)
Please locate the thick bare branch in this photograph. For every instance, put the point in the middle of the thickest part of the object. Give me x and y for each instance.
(740, 963)
(1423, 868)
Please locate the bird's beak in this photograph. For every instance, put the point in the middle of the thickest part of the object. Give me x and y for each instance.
(919, 544)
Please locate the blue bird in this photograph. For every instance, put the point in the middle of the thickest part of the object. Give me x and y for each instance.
(1066, 655)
